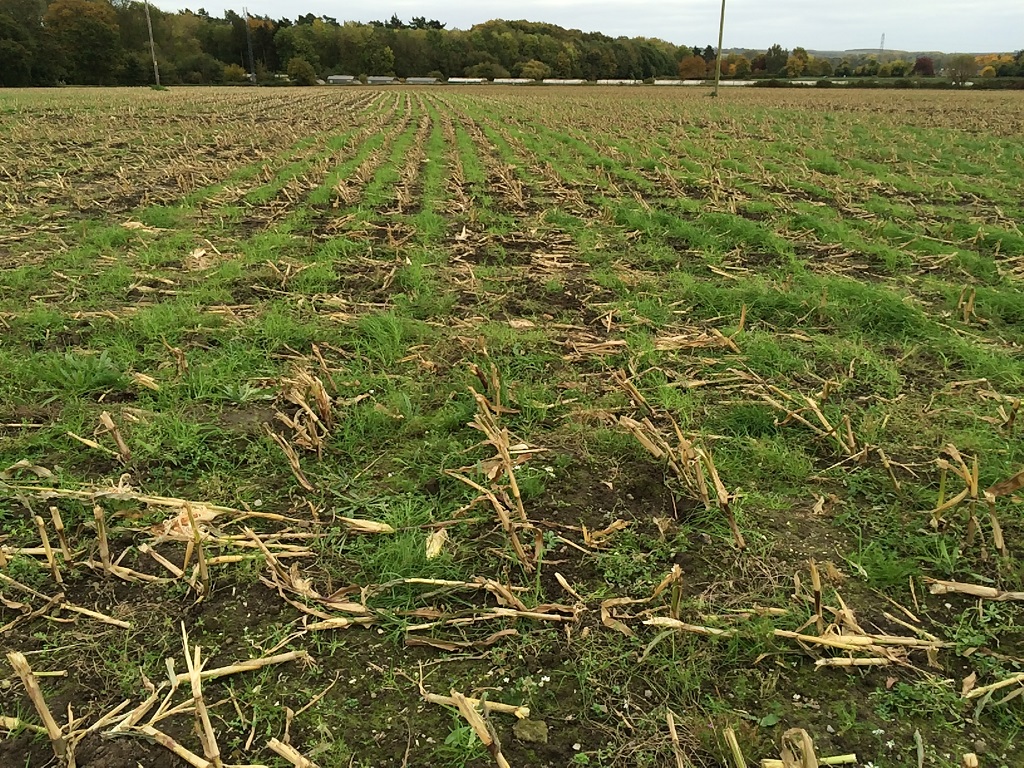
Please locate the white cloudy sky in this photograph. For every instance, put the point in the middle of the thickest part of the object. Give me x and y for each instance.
(916, 25)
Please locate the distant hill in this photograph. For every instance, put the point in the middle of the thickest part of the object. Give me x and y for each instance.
(888, 53)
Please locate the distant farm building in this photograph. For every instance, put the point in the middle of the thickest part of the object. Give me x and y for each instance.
(556, 81)
(381, 80)
(668, 82)
(421, 81)
(340, 79)
(620, 82)
(513, 81)
(466, 81)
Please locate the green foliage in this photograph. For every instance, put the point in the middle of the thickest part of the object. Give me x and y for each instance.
(233, 73)
(301, 71)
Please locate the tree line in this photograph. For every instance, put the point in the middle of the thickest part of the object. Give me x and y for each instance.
(106, 42)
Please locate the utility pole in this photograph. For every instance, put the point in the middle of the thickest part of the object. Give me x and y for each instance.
(248, 40)
(721, 35)
(152, 46)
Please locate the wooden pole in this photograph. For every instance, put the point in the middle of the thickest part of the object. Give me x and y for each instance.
(152, 46)
(721, 35)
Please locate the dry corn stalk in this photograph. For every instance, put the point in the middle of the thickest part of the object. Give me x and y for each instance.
(500, 470)
(101, 535)
(35, 695)
(974, 590)
(985, 689)
(677, 749)
(480, 727)
(290, 754)
(972, 495)
(292, 456)
(850, 759)
(798, 749)
(738, 760)
(692, 466)
(204, 726)
(108, 426)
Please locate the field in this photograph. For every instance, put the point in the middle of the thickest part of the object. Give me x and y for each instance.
(683, 423)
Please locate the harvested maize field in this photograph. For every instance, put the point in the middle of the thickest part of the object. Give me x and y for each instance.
(516, 427)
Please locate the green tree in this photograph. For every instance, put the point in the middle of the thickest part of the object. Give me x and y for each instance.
(17, 53)
(899, 67)
(301, 72)
(775, 60)
(380, 60)
(88, 37)
(486, 69)
(300, 42)
(534, 70)
(961, 68)
(820, 67)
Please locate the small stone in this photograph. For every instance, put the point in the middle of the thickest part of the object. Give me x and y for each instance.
(980, 747)
(830, 729)
(531, 731)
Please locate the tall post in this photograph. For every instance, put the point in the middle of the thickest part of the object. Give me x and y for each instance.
(152, 46)
(248, 42)
(721, 35)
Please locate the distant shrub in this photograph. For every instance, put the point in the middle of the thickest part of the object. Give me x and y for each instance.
(824, 84)
(1000, 84)
(301, 71)
(233, 73)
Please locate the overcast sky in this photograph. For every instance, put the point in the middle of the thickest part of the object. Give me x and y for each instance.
(913, 25)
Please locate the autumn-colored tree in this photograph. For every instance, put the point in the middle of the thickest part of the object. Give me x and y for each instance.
(795, 65)
(736, 65)
(988, 71)
(233, 73)
(89, 39)
(924, 66)
(693, 68)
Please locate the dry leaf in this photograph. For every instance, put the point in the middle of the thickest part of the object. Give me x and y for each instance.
(435, 543)
(1008, 486)
(610, 621)
(27, 466)
(968, 683)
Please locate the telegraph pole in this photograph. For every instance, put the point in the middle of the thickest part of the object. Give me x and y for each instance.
(152, 46)
(721, 35)
(248, 41)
